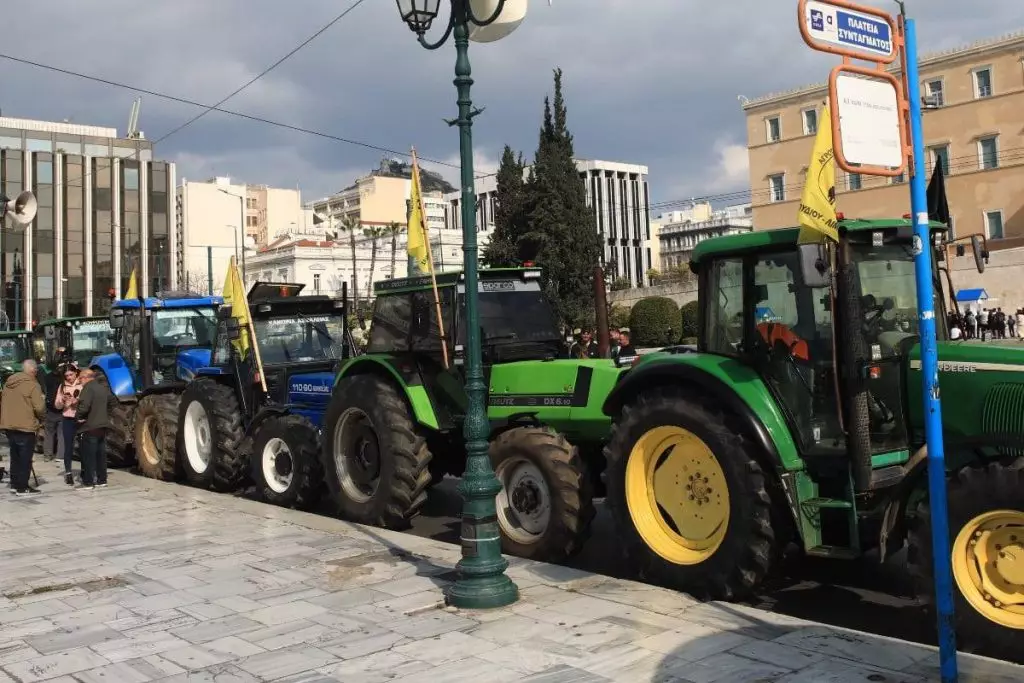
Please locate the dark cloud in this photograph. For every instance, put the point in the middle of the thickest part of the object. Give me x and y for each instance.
(652, 81)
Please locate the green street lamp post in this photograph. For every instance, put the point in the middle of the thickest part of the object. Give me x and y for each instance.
(482, 581)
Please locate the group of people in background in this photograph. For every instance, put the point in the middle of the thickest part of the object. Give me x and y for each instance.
(71, 407)
(989, 323)
(582, 344)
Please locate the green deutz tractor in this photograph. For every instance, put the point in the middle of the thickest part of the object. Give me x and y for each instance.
(800, 420)
(15, 347)
(81, 339)
(394, 423)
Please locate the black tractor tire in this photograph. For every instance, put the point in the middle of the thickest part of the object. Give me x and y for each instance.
(211, 436)
(156, 436)
(748, 549)
(120, 452)
(381, 473)
(299, 480)
(562, 487)
(971, 491)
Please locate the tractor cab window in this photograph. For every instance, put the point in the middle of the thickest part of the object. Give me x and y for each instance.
(128, 339)
(426, 334)
(89, 339)
(724, 322)
(516, 321)
(175, 328)
(792, 348)
(299, 338)
(14, 350)
(391, 329)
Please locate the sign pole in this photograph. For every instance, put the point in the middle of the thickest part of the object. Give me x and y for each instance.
(941, 558)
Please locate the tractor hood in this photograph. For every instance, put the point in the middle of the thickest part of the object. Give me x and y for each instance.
(983, 385)
(190, 361)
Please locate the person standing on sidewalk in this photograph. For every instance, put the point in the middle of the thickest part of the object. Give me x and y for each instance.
(93, 414)
(22, 406)
(52, 436)
(67, 401)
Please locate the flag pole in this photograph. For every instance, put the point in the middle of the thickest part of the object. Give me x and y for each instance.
(430, 261)
(237, 283)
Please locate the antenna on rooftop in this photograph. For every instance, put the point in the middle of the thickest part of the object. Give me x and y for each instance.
(133, 120)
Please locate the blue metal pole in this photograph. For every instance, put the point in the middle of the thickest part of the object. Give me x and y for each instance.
(930, 373)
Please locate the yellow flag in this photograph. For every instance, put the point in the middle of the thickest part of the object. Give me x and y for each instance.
(818, 204)
(133, 288)
(234, 296)
(418, 251)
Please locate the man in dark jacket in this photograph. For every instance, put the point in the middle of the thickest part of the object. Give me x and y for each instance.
(52, 436)
(21, 407)
(93, 414)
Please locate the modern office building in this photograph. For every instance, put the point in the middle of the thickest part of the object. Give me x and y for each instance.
(103, 209)
(973, 99)
(618, 195)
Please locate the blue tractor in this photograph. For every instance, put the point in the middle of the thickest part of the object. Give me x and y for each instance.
(159, 343)
(232, 424)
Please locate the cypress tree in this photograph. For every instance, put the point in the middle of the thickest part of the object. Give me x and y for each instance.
(510, 213)
(562, 234)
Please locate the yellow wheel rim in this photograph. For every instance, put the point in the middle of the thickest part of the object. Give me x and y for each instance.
(988, 565)
(677, 495)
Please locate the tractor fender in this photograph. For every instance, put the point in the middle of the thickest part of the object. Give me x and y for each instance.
(505, 424)
(118, 374)
(406, 375)
(175, 387)
(732, 384)
(265, 413)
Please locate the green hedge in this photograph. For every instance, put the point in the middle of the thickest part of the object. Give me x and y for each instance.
(689, 313)
(655, 321)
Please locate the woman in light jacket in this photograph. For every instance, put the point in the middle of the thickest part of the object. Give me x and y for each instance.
(67, 402)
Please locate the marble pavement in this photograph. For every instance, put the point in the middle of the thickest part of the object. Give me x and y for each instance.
(145, 581)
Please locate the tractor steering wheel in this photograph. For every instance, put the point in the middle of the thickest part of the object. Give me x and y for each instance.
(872, 312)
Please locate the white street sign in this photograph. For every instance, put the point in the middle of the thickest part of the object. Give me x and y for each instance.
(854, 31)
(869, 121)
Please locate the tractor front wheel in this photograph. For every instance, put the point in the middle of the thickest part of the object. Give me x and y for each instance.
(689, 497)
(986, 529)
(545, 506)
(375, 462)
(211, 436)
(156, 431)
(285, 462)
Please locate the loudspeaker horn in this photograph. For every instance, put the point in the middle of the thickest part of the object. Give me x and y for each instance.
(22, 209)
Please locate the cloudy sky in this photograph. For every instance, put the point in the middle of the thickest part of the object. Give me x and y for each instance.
(654, 82)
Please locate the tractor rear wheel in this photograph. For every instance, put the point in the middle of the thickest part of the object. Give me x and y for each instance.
(375, 463)
(285, 462)
(689, 497)
(986, 530)
(156, 432)
(545, 506)
(211, 436)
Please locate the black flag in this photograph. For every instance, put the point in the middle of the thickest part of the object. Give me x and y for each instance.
(938, 205)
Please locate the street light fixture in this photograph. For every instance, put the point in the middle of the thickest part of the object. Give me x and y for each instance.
(482, 581)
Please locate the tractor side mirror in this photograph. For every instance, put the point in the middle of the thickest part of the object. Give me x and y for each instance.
(116, 318)
(224, 312)
(978, 246)
(49, 333)
(232, 329)
(814, 265)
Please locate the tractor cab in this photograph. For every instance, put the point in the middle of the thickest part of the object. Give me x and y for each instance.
(834, 350)
(300, 341)
(76, 339)
(15, 347)
(161, 339)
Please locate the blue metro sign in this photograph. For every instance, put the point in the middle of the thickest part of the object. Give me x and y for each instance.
(848, 31)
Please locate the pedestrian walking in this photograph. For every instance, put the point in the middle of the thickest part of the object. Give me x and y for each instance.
(983, 323)
(95, 401)
(22, 406)
(67, 402)
(972, 325)
(52, 435)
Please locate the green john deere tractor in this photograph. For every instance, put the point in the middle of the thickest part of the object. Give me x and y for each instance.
(394, 423)
(799, 419)
(15, 347)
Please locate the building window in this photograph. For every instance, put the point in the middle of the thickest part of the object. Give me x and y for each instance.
(940, 155)
(773, 128)
(810, 118)
(316, 283)
(988, 153)
(853, 181)
(251, 221)
(777, 187)
(983, 82)
(935, 92)
(994, 224)
(250, 202)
